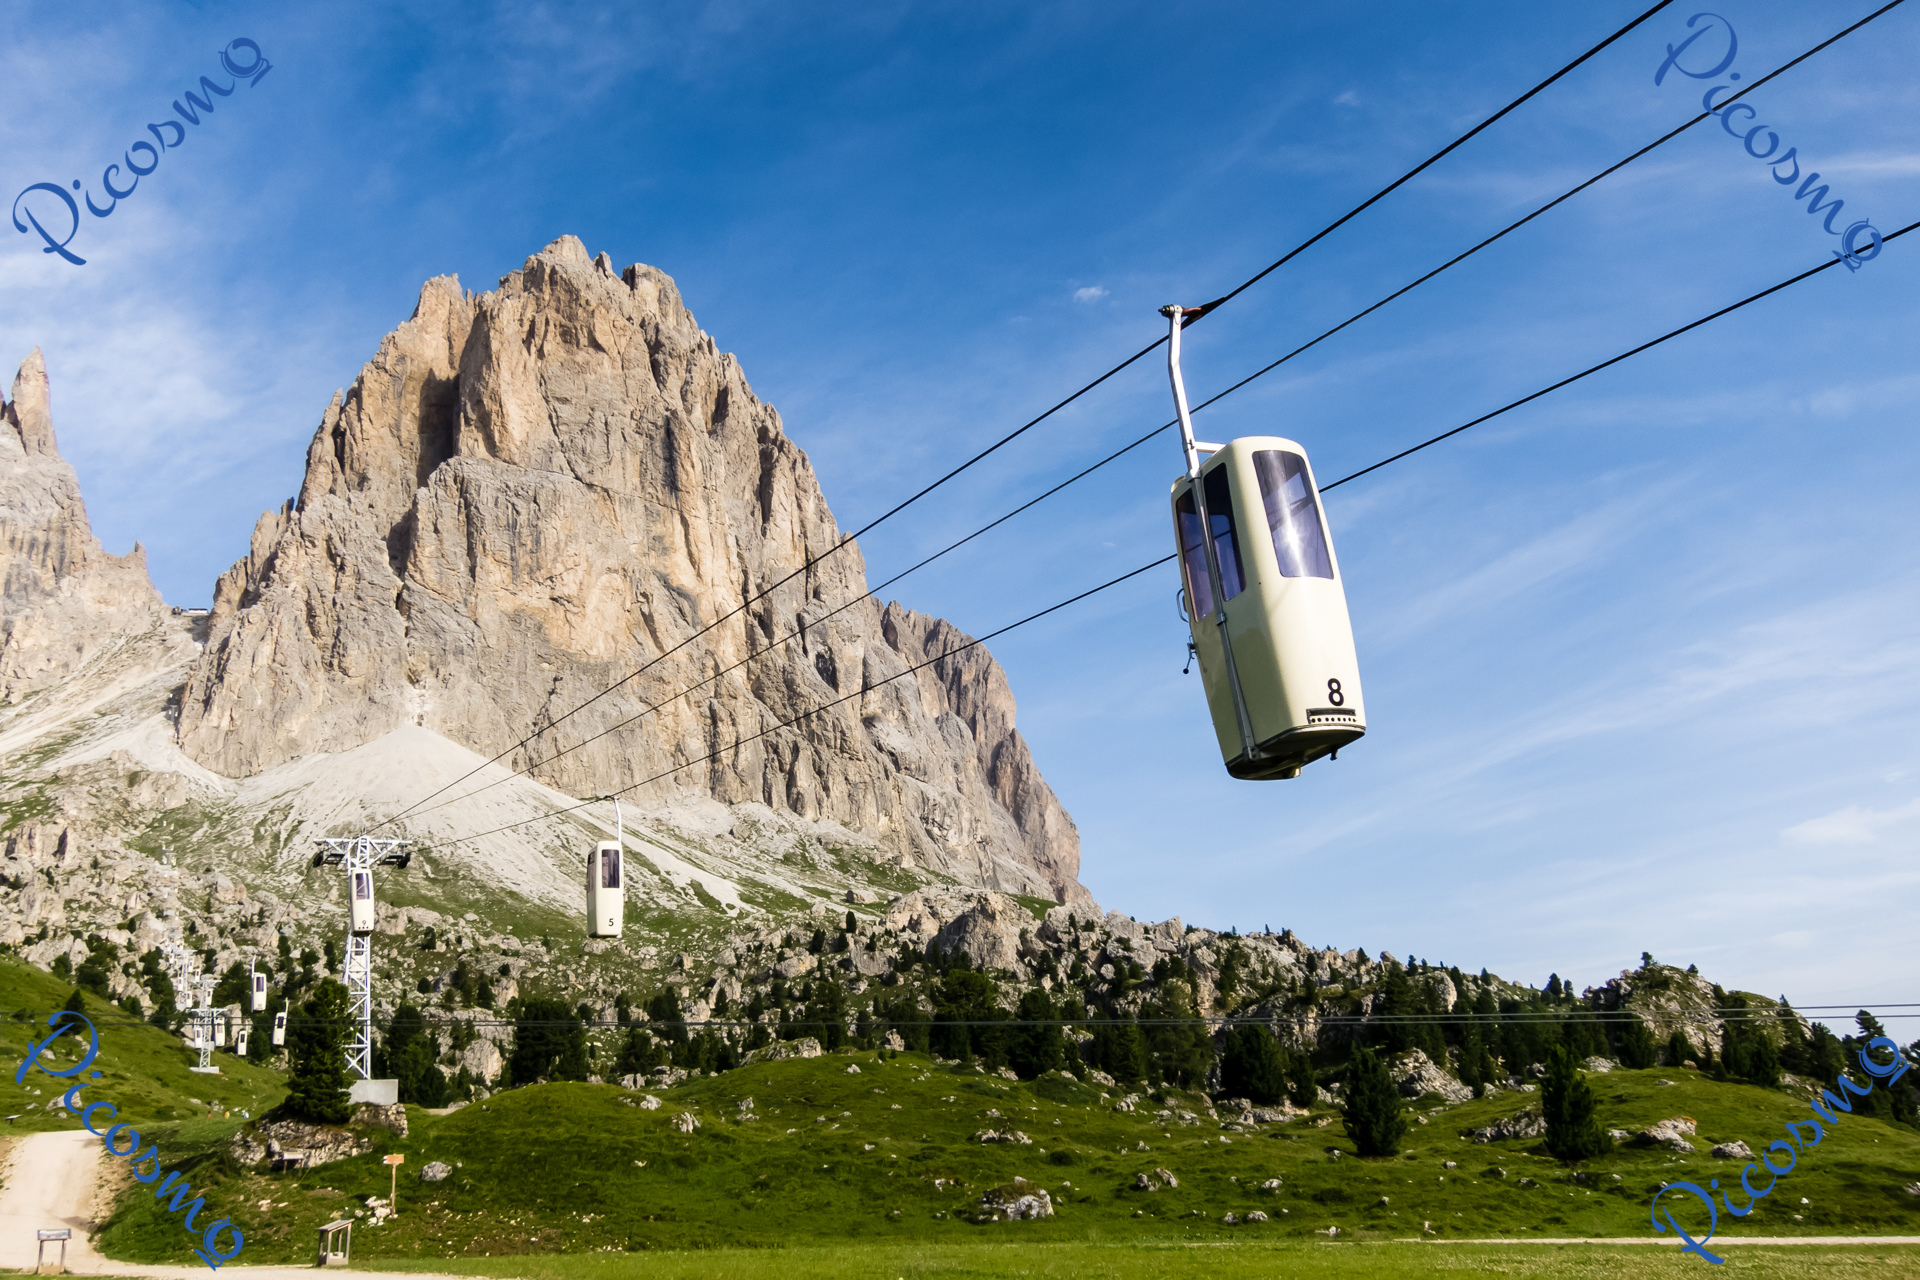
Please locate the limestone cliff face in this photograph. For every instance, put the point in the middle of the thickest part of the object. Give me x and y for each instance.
(529, 495)
(62, 598)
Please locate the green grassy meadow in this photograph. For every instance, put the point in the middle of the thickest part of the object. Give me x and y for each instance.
(1166, 1260)
(881, 1160)
(145, 1068)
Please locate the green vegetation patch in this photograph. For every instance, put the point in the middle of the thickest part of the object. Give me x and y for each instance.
(1236, 1260)
(887, 1158)
(146, 1068)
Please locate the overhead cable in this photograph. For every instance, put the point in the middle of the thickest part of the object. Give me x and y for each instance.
(865, 688)
(1564, 382)
(1605, 364)
(1528, 1017)
(1195, 313)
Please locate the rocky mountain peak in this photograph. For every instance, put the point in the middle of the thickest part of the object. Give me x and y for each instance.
(536, 494)
(63, 599)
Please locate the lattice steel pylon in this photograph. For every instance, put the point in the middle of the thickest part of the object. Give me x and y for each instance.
(200, 1013)
(359, 855)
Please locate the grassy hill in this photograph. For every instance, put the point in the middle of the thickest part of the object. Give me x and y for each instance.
(885, 1157)
(146, 1068)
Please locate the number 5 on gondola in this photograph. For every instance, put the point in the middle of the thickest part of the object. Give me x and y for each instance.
(1263, 598)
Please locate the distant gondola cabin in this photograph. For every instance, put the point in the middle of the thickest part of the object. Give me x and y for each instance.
(605, 896)
(259, 993)
(279, 1029)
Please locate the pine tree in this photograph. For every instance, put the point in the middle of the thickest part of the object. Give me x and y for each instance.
(1375, 1119)
(1679, 1048)
(1473, 1052)
(549, 1043)
(1567, 1105)
(1035, 1044)
(1252, 1066)
(317, 1058)
(1637, 1048)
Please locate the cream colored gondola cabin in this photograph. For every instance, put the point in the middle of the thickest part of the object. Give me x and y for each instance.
(360, 902)
(259, 1004)
(605, 895)
(1292, 657)
(280, 1029)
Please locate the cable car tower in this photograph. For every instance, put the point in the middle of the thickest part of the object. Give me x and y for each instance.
(1279, 669)
(359, 855)
(200, 1014)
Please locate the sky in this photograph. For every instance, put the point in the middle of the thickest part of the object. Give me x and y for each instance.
(1641, 661)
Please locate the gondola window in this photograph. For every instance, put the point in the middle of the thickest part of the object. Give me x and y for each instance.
(1293, 514)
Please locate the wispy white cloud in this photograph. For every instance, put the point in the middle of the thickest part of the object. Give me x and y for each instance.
(1854, 824)
(1090, 293)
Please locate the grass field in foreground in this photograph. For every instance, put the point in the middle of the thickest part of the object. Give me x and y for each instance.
(1235, 1261)
(848, 1149)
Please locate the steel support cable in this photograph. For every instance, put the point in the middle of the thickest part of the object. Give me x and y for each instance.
(1194, 314)
(1422, 166)
(1128, 448)
(1568, 381)
(863, 690)
(1605, 364)
(1604, 1017)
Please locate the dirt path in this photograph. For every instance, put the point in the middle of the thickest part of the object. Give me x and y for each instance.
(51, 1179)
(49, 1183)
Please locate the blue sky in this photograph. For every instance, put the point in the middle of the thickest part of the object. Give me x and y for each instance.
(1641, 659)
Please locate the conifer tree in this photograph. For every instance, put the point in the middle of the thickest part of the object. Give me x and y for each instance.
(317, 1058)
(1637, 1048)
(1679, 1048)
(1375, 1119)
(1253, 1066)
(1567, 1105)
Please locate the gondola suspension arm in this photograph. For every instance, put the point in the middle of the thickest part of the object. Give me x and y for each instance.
(1191, 448)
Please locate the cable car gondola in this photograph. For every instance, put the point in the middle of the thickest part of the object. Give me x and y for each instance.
(280, 1029)
(259, 983)
(1262, 597)
(605, 895)
(360, 902)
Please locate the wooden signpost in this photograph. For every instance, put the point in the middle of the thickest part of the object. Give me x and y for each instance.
(394, 1162)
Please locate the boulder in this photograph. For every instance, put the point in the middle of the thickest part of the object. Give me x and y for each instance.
(1011, 1136)
(686, 1122)
(782, 1050)
(436, 1171)
(1017, 1203)
(1256, 1216)
(1525, 1124)
(1415, 1074)
(1671, 1134)
(1731, 1151)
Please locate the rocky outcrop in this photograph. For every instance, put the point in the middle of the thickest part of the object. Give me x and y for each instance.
(1526, 1124)
(1671, 1134)
(296, 1144)
(536, 494)
(63, 599)
(1416, 1075)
